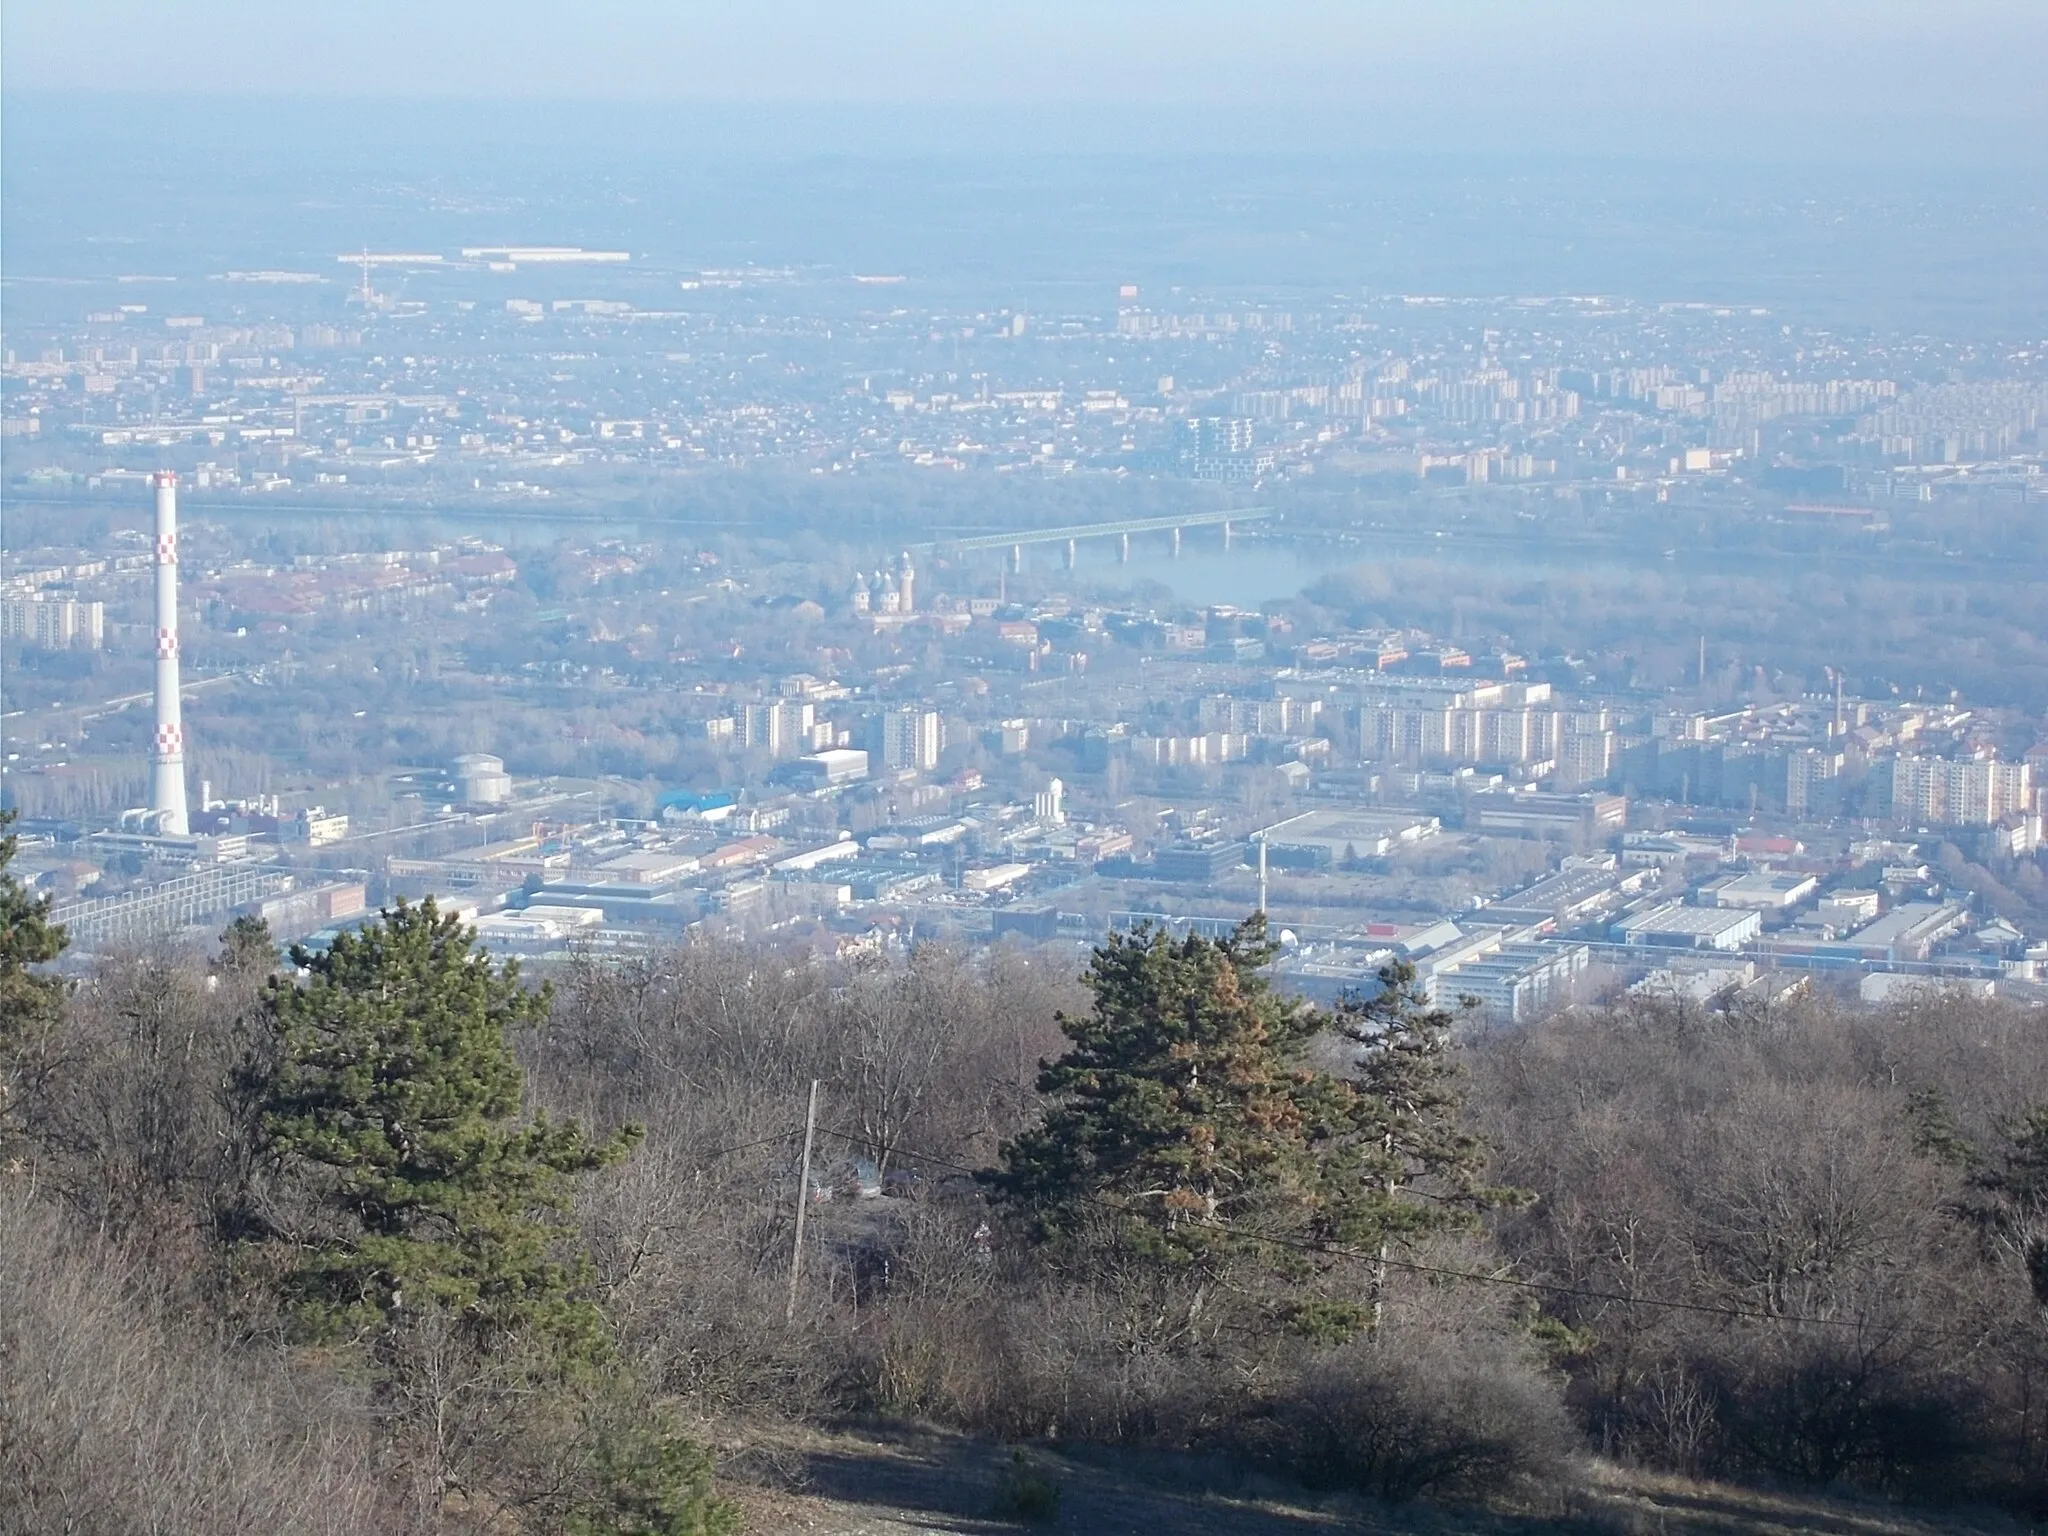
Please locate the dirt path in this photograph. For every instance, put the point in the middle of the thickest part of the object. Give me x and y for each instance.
(893, 1481)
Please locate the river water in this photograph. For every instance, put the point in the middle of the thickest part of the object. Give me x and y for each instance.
(1204, 574)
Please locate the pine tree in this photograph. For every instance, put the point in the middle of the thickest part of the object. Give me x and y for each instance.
(395, 1103)
(1177, 1104)
(246, 948)
(28, 998)
(1187, 1107)
(1395, 1161)
(647, 1479)
(393, 1109)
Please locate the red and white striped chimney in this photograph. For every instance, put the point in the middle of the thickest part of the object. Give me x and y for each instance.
(167, 751)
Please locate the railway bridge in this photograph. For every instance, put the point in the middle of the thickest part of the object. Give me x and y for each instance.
(1072, 535)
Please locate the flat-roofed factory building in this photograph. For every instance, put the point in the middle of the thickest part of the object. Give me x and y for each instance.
(1674, 925)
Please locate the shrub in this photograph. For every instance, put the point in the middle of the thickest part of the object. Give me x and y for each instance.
(119, 1415)
(1026, 1492)
(1827, 1408)
(1404, 1414)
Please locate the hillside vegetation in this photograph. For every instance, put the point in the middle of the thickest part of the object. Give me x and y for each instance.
(388, 1239)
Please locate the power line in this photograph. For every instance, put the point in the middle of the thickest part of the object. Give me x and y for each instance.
(1475, 1277)
(747, 1146)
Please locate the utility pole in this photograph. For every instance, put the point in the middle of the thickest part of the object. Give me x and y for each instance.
(803, 1204)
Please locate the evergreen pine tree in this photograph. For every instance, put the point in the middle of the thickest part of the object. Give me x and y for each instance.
(28, 998)
(395, 1103)
(246, 948)
(1395, 1161)
(438, 1217)
(648, 1479)
(1176, 1104)
(1186, 1106)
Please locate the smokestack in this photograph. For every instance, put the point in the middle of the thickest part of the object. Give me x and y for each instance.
(167, 751)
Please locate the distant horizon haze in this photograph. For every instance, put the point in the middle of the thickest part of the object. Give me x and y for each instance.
(1818, 80)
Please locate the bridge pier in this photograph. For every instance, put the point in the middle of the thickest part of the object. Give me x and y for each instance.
(1127, 549)
(1122, 529)
(1073, 553)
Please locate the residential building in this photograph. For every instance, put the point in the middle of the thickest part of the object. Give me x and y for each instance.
(54, 623)
(782, 727)
(910, 738)
(1959, 792)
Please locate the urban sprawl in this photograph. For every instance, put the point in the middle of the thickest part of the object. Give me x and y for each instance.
(473, 596)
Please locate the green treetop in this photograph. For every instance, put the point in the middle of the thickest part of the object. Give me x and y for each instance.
(1187, 1113)
(28, 999)
(1396, 1159)
(396, 1099)
(1177, 1104)
(246, 948)
(430, 1206)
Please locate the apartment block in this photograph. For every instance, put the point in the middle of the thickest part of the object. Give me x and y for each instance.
(1969, 792)
(910, 738)
(55, 623)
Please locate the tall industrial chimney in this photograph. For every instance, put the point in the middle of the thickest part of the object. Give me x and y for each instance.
(167, 751)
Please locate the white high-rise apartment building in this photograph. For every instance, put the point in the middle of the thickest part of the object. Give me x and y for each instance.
(55, 623)
(1967, 792)
(1480, 722)
(910, 738)
(784, 727)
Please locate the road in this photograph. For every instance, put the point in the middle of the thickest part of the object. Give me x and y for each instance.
(115, 706)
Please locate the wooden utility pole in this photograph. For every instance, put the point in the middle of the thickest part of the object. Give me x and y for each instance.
(803, 1204)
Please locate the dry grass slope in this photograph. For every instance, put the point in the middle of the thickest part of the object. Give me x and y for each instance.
(906, 1481)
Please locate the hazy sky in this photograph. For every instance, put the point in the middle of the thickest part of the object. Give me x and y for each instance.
(1875, 76)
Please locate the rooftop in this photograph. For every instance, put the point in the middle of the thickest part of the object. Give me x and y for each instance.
(1676, 918)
